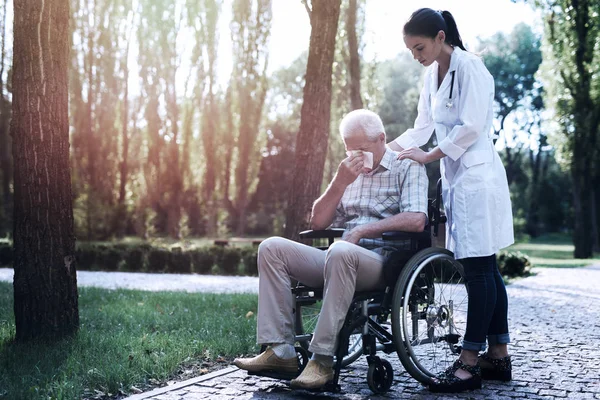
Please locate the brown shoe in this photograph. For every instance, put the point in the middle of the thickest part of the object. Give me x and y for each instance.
(314, 376)
(267, 361)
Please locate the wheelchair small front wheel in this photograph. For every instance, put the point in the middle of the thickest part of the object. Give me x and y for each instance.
(429, 313)
(380, 375)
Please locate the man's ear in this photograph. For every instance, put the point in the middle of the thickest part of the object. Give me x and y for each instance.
(382, 136)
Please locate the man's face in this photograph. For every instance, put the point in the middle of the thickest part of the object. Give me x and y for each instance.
(360, 141)
(425, 50)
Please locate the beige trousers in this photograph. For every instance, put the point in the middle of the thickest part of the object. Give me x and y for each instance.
(341, 270)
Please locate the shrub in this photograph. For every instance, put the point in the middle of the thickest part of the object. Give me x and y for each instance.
(158, 260)
(86, 258)
(513, 263)
(249, 260)
(180, 262)
(135, 259)
(6, 254)
(227, 259)
(110, 259)
(203, 260)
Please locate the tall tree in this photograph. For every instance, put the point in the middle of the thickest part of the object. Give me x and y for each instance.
(572, 78)
(45, 280)
(203, 17)
(512, 60)
(159, 62)
(354, 56)
(250, 31)
(311, 142)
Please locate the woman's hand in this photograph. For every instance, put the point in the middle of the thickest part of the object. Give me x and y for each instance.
(415, 154)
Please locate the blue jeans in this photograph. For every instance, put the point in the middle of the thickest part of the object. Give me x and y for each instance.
(488, 304)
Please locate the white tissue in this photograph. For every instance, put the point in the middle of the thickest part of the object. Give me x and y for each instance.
(368, 157)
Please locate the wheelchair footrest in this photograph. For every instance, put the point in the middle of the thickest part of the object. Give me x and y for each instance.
(279, 375)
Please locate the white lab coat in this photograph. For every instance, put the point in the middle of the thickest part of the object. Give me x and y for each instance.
(475, 189)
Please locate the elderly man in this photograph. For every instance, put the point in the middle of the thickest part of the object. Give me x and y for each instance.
(371, 193)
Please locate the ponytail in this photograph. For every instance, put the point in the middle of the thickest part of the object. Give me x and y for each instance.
(427, 22)
(452, 36)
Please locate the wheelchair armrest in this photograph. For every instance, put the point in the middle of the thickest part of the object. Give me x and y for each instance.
(322, 233)
(399, 235)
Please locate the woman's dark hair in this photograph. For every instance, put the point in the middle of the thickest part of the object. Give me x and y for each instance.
(427, 22)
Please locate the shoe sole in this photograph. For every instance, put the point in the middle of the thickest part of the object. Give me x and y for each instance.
(468, 384)
(491, 375)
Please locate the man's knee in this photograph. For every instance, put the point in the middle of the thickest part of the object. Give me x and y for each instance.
(341, 254)
(268, 249)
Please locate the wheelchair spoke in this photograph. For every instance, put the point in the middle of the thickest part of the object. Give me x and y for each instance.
(433, 316)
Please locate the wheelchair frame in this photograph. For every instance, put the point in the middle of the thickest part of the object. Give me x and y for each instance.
(370, 310)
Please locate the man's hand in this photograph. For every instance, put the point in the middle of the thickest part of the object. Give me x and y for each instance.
(354, 235)
(349, 169)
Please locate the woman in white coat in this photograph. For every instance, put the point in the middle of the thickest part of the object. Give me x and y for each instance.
(457, 103)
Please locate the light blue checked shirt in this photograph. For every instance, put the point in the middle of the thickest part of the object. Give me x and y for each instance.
(393, 187)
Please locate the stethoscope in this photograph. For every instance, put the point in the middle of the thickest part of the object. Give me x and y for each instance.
(449, 103)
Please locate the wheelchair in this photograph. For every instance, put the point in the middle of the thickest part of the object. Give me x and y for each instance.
(421, 314)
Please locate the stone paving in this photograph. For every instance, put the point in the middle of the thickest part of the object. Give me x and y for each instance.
(555, 328)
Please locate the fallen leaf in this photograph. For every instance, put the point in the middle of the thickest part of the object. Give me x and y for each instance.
(136, 390)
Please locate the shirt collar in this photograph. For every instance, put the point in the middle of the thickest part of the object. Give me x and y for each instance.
(388, 159)
(456, 54)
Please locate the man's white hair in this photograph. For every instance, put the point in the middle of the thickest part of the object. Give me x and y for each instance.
(365, 121)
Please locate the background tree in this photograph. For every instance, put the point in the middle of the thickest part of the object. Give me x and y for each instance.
(5, 142)
(45, 280)
(250, 31)
(311, 142)
(512, 59)
(572, 82)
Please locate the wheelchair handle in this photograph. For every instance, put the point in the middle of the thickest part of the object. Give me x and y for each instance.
(437, 217)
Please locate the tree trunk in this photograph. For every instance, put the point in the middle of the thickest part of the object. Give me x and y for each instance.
(354, 59)
(124, 164)
(582, 206)
(311, 143)
(45, 280)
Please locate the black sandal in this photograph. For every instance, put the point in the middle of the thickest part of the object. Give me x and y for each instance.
(447, 382)
(501, 369)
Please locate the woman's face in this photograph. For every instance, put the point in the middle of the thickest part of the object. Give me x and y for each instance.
(424, 49)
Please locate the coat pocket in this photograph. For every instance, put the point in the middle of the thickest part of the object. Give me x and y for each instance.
(476, 157)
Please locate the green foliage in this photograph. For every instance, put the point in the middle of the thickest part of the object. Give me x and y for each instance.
(203, 259)
(513, 263)
(126, 338)
(399, 82)
(158, 260)
(249, 260)
(6, 254)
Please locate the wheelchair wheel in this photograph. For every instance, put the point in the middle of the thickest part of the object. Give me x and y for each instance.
(429, 313)
(307, 315)
(380, 376)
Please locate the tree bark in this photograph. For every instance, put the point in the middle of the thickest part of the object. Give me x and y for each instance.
(354, 59)
(311, 143)
(45, 280)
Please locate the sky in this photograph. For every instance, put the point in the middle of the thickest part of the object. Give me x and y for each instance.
(290, 32)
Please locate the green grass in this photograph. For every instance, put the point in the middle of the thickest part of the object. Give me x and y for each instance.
(553, 251)
(126, 338)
